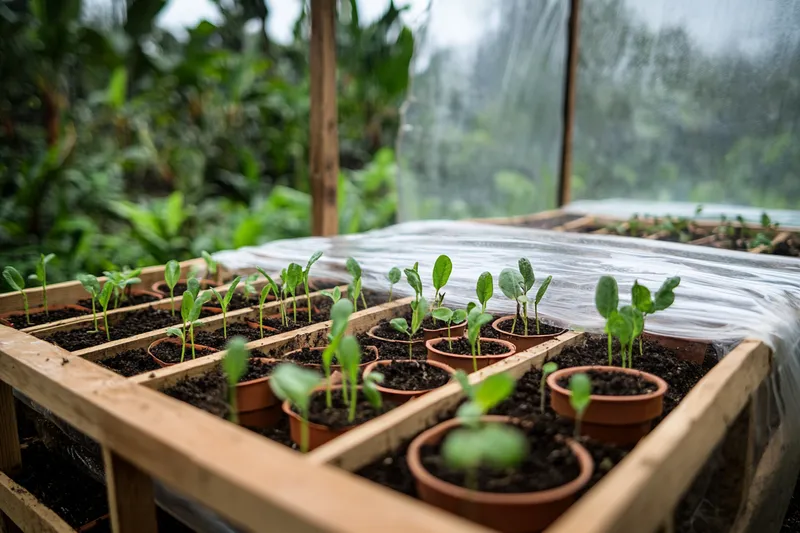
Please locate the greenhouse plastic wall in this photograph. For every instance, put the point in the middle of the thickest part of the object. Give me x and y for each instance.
(723, 297)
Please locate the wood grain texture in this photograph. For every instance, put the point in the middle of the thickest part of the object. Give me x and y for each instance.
(130, 496)
(10, 455)
(28, 513)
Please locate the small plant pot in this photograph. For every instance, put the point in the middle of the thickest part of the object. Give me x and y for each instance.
(402, 396)
(172, 340)
(317, 433)
(255, 394)
(507, 512)
(455, 331)
(523, 342)
(262, 418)
(613, 419)
(370, 355)
(371, 334)
(437, 351)
(154, 294)
(685, 349)
(162, 288)
(34, 310)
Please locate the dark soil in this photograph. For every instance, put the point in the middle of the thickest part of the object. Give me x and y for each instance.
(431, 323)
(615, 384)
(179, 289)
(322, 284)
(122, 326)
(61, 486)
(791, 522)
(412, 376)
(790, 247)
(392, 350)
(279, 433)
(37, 319)
(215, 339)
(240, 301)
(488, 332)
(461, 346)
(548, 464)
(386, 331)
(134, 299)
(208, 392)
(519, 328)
(306, 356)
(130, 363)
(171, 353)
(336, 416)
(257, 369)
(320, 313)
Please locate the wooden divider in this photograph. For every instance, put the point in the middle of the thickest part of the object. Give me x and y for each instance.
(28, 513)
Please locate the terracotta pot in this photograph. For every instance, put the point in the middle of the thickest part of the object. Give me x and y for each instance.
(173, 340)
(613, 419)
(317, 433)
(262, 418)
(686, 349)
(465, 362)
(34, 310)
(255, 394)
(370, 354)
(161, 286)
(522, 342)
(455, 331)
(402, 396)
(143, 292)
(371, 333)
(508, 512)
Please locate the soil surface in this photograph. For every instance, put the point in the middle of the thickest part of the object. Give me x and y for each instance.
(791, 522)
(412, 376)
(322, 284)
(135, 299)
(320, 313)
(240, 301)
(307, 356)
(208, 392)
(279, 433)
(37, 319)
(393, 350)
(615, 384)
(257, 369)
(337, 416)
(171, 353)
(431, 323)
(130, 363)
(461, 346)
(122, 326)
(386, 331)
(179, 289)
(519, 327)
(215, 339)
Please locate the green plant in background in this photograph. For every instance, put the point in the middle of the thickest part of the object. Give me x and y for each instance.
(271, 285)
(296, 384)
(17, 282)
(580, 397)
(92, 286)
(475, 321)
(547, 369)
(294, 276)
(484, 289)
(442, 269)
(313, 259)
(172, 273)
(340, 314)
(393, 276)
(354, 288)
(335, 294)
(419, 309)
(647, 305)
(512, 283)
(41, 276)
(104, 298)
(224, 301)
(477, 443)
(234, 364)
(349, 356)
(448, 316)
(212, 267)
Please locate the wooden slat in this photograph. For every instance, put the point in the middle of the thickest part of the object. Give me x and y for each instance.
(646, 486)
(255, 483)
(10, 455)
(364, 444)
(570, 87)
(130, 496)
(28, 513)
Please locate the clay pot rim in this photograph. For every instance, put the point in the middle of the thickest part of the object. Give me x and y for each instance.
(375, 364)
(452, 326)
(34, 310)
(287, 408)
(333, 367)
(422, 475)
(149, 292)
(205, 283)
(552, 382)
(261, 379)
(656, 336)
(496, 327)
(174, 340)
(511, 348)
(371, 333)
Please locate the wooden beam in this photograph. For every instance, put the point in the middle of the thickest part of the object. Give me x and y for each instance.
(324, 141)
(130, 496)
(28, 513)
(10, 455)
(565, 179)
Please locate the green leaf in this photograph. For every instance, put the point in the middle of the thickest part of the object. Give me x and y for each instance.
(493, 390)
(526, 269)
(461, 377)
(442, 313)
(548, 368)
(211, 265)
(511, 283)
(234, 364)
(414, 280)
(340, 314)
(620, 325)
(349, 356)
(293, 383)
(470, 307)
(187, 303)
(117, 87)
(353, 268)
(665, 295)
(494, 445)
(193, 287)
(419, 309)
(641, 298)
(313, 259)
(470, 413)
(15, 279)
(543, 289)
(485, 288)
(175, 332)
(580, 387)
(219, 297)
(172, 273)
(231, 290)
(371, 391)
(105, 294)
(441, 271)
(47, 258)
(89, 282)
(197, 307)
(399, 324)
(294, 276)
(462, 449)
(272, 282)
(459, 316)
(394, 275)
(606, 296)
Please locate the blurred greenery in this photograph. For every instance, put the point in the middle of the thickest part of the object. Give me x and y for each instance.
(124, 144)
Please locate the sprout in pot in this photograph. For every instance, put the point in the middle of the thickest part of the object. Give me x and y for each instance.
(349, 357)
(340, 314)
(249, 287)
(625, 323)
(475, 321)
(234, 364)
(335, 295)
(484, 289)
(448, 316)
(104, 298)
(647, 305)
(294, 276)
(354, 288)
(393, 276)
(295, 384)
(547, 369)
(305, 273)
(418, 311)
(191, 307)
(516, 285)
(17, 282)
(92, 286)
(270, 286)
(580, 387)
(511, 283)
(212, 267)
(224, 301)
(442, 269)
(123, 281)
(172, 273)
(41, 276)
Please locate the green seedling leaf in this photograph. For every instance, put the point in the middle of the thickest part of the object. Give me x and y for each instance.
(340, 314)
(294, 383)
(313, 259)
(526, 270)
(665, 295)
(418, 311)
(511, 283)
(394, 275)
(15, 279)
(371, 391)
(231, 290)
(294, 276)
(461, 377)
(493, 390)
(580, 387)
(475, 321)
(470, 414)
(442, 313)
(547, 369)
(414, 280)
(89, 282)
(335, 295)
(353, 267)
(175, 332)
(186, 306)
(399, 324)
(470, 307)
(248, 284)
(641, 298)
(485, 288)
(172, 273)
(349, 356)
(272, 283)
(459, 316)
(193, 287)
(442, 269)
(494, 445)
(211, 265)
(606, 296)
(621, 326)
(543, 289)
(234, 364)
(105, 295)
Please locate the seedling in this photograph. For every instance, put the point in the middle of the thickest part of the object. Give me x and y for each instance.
(41, 275)
(393, 276)
(340, 314)
(212, 267)
(349, 356)
(172, 273)
(647, 305)
(606, 300)
(123, 281)
(580, 387)
(512, 283)
(224, 301)
(181, 334)
(270, 286)
(314, 258)
(442, 269)
(248, 286)
(509, 286)
(475, 321)
(448, 316)
(484, 289)
(547, 369)
(418, 311)
(103, 299)
(17, 282)
(477, 444)
(191, 307)
(234, 364)
(296, 384)
(354, 289)
(414, 281)
(335, 295)
(294, 276)
(92, 286)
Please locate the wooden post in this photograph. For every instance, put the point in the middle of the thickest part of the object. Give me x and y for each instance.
(130, 496)
(10, 455)
(324, 141)
(565, 178)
